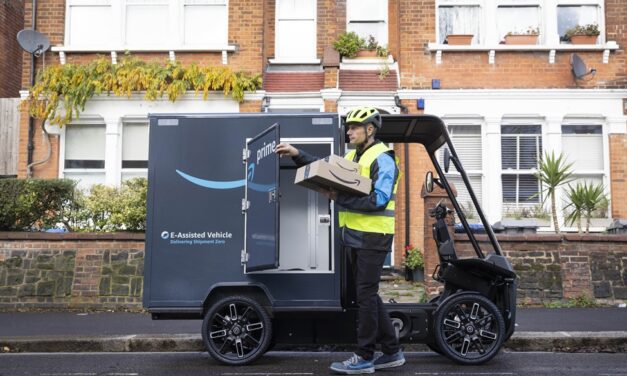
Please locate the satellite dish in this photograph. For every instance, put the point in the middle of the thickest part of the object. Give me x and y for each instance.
(579, 68)
(33, 41)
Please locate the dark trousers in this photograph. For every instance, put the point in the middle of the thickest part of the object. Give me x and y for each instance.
(374, 321)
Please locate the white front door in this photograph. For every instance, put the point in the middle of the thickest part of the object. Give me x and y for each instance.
(295, 30)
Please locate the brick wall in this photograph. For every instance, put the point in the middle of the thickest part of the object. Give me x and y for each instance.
(549, 266)
(71, 270)
(40, 270)
(563, 266)
(11, 22)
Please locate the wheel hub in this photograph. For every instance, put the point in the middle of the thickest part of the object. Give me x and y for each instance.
(470, 329)
(236, 330)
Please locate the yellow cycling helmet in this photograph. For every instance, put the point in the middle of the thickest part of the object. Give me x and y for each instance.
(364, 115)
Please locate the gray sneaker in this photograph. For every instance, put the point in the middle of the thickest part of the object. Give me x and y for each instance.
(353, 366)
(389, 361)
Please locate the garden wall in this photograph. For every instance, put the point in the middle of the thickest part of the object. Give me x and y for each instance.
(99, 271)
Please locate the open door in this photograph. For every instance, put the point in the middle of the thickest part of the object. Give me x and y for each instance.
(261, 203)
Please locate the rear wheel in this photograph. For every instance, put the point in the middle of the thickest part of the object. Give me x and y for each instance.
(469, 328)
(236, 330)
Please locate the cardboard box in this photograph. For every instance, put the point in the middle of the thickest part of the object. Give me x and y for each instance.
(322, 174)
(344, 163)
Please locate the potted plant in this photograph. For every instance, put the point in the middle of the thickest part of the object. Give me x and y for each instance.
(459, 39)
(414, 262)
(583, 34)
(529, 36)
(585, 200)
(370, 48)
(348, 44)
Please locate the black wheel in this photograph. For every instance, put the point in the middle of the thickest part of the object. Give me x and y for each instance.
(469, 328)
(433, 347)
(236, 330)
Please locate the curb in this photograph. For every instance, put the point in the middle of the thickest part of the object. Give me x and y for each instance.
(576, 342)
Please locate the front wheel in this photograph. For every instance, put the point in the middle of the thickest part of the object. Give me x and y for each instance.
(236, 330)
(469, 328)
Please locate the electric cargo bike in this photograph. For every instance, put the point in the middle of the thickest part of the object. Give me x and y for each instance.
(232, 241)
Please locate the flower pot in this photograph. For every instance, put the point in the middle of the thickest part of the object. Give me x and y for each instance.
(521, 39)
(583, 39)
(459, 39)
(418, 275)
(366, 54)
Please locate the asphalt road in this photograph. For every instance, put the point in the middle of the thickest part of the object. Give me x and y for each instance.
(16, 324)
(302, 364)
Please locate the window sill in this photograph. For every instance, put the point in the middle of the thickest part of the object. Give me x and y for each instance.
(294, 61)
(210, 48)
(113, 50)
(552, 49)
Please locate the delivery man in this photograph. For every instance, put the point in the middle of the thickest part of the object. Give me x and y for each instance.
(367, 231)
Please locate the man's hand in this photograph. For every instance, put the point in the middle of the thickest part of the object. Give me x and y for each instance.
(330, 193)
(286, 149)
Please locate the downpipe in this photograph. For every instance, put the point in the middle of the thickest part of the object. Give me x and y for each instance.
(31, 120)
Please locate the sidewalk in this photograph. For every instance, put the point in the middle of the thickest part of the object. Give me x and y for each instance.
(537, 329)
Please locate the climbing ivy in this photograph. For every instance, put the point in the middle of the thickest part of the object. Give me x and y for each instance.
(61, 91)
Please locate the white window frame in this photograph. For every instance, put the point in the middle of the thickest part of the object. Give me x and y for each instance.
(600, 4)
(282, 60)
(516, 172)
(69, 173)
(117, 29)
(472, 173)
(134, 120)
(604, 173)
(465, 3)
(380, 18)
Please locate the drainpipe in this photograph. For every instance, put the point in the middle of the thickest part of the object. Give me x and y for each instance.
(404, 110)
(31, 123)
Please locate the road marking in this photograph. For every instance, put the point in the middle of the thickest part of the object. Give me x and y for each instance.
(67, 374)
(465, 373)
(267, 373)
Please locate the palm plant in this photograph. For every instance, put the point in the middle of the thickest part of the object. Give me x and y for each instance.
(585, 199)
(552, 172)
(576, 197)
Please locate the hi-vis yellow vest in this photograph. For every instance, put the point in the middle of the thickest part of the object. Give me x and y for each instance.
(381, 222)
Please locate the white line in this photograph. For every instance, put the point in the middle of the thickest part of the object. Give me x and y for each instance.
(268, 373)
(464, 373)
(122, 374)
(67, 374)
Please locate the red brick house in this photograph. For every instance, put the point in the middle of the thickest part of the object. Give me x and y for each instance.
(504, 104)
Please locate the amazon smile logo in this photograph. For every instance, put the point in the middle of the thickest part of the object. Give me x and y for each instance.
(229, 184)
(354, 182)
